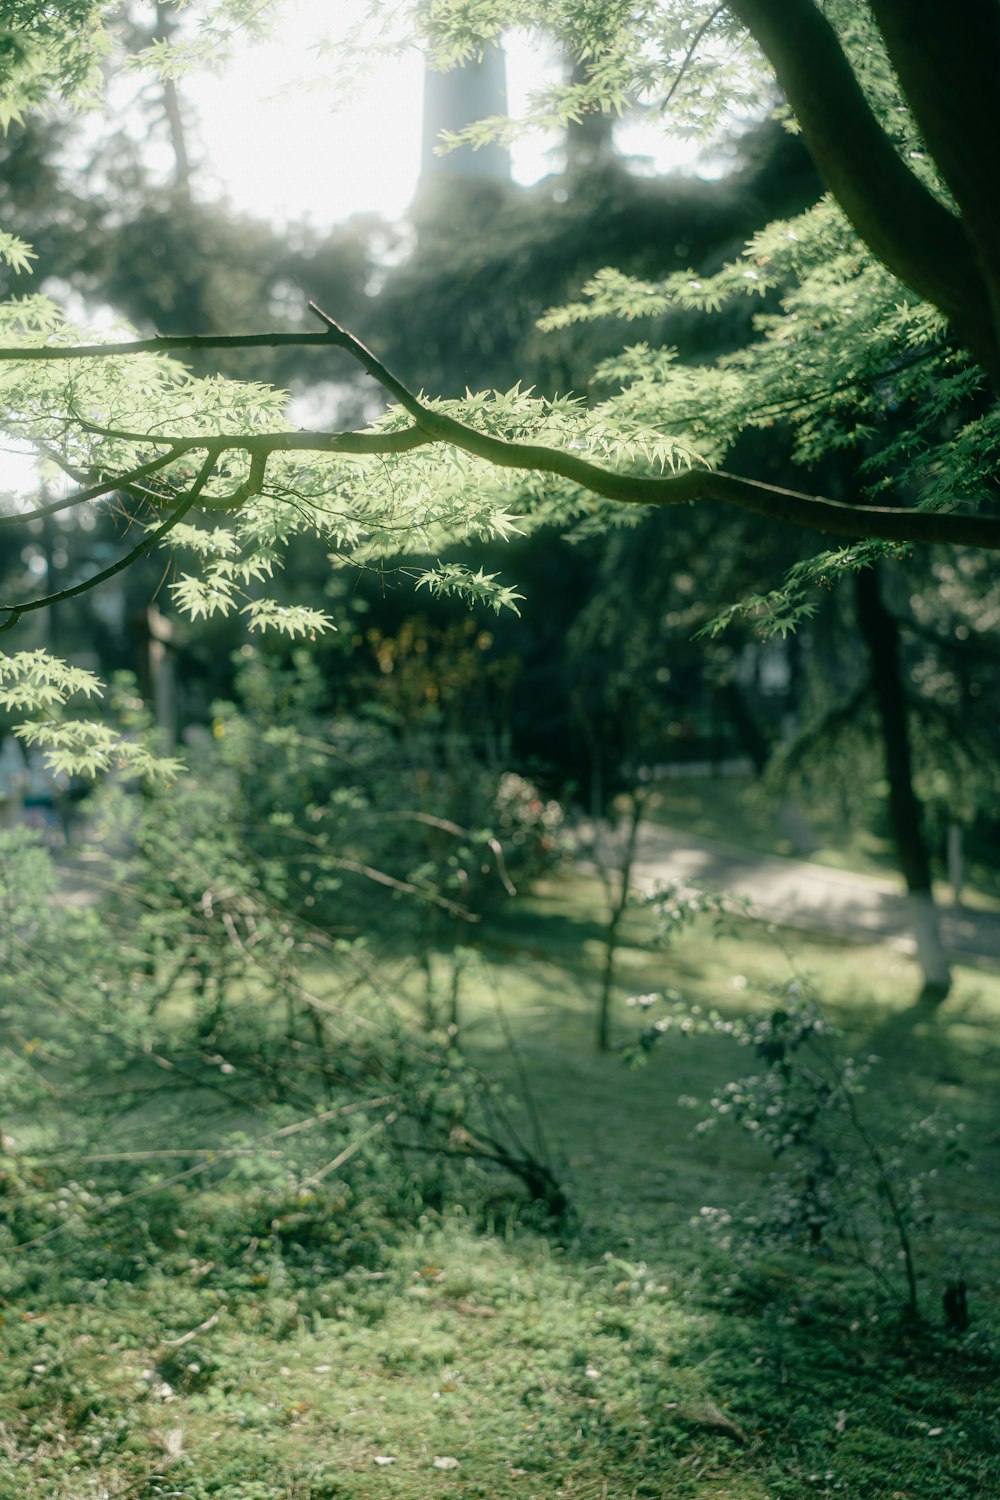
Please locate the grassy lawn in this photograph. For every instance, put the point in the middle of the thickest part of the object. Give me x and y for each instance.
(250, 1330)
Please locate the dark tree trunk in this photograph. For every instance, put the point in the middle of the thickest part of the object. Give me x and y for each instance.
(943, 257)
(881, 636)
(749, 733)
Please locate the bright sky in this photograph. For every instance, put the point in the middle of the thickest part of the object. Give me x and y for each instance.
(283, 136)
(279, 141)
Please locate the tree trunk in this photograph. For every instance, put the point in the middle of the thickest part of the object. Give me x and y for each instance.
(905, 226)
(615, 866)
(956, 862)
(163, 31)
(881, 635)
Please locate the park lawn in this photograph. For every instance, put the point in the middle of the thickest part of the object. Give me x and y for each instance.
(220, 1339)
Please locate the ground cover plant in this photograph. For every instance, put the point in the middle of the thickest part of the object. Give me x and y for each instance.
(283, 1305)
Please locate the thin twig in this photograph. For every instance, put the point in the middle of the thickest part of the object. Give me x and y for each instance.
(689, 54)
(162, 343)
(95, 492)
(344, 1156)
(193, 1333)
(17, 610)
(171, 1154)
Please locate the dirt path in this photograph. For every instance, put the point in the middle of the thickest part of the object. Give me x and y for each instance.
(799, 894)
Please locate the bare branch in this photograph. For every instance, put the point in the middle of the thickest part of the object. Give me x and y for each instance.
(367, 360)
(163, 343)
(453, 908)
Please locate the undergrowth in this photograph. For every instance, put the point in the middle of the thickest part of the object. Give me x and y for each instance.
(230, 1272)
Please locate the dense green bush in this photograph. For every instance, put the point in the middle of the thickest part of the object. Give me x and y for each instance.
(194, 1069)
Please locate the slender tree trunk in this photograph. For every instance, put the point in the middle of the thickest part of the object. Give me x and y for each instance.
(881, 635)
(956, 862)
(616, 877)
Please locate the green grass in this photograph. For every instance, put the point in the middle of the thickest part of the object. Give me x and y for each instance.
(223, 1336)
(950, 1059)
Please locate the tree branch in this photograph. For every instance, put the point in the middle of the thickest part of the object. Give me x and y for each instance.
(121, 481)
(163, 343)
(400, 441)
(833, 517)
(689, 54)
(903, 224)
(17, 610)
(814, 512)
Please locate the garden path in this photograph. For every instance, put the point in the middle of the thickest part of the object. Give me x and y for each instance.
(798, 893)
